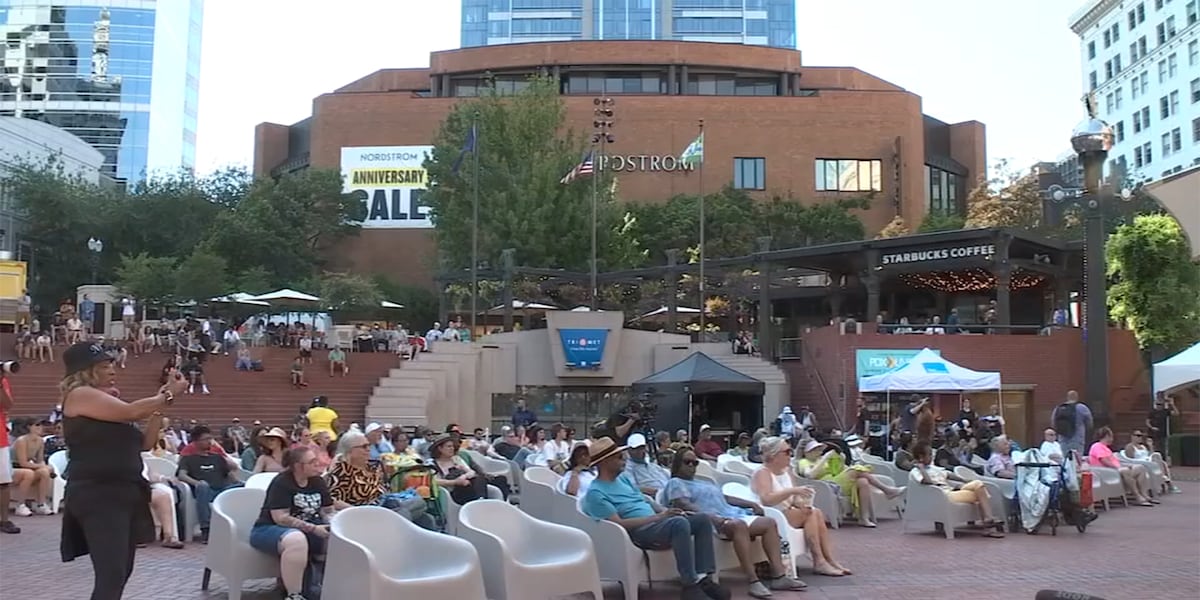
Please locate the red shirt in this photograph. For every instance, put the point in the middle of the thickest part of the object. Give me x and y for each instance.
(709, 447)
(4, 416)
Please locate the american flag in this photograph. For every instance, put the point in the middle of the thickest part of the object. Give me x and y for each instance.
(585, 167)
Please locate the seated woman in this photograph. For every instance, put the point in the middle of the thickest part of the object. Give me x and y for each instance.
(776, 485)
(1139, 449)
(298, 379)
(827, 464)
(579, 475)
(356, 481)
(321, 441)
(733, 519)
(1135, 479)
(741, 448)
(454, 473)
(270, 446)
(33, 478)
(294, 521)
(162, 508)
(1000, 463)
(903, 458)
(970, 492)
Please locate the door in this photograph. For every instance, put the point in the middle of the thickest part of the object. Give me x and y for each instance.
(1017, 413)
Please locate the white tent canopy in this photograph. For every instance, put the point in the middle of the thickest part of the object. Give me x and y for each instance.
(240, 298)
(928, 372)
(1181, 369)
(286, 295)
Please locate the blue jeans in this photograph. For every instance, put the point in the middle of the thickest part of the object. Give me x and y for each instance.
(204, 494)
(690, 538)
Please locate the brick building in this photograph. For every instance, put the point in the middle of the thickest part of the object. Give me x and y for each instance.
(772, 126)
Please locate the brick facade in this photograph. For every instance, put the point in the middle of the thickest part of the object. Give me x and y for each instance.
(823, 112)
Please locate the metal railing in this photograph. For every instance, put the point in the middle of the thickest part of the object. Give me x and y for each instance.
(957, 329)
(812, 365)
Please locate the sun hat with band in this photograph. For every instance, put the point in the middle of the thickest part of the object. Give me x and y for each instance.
(813, 445)
(603, 449)
(275, 432)
(81, 356)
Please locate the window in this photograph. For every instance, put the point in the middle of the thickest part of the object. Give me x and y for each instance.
(1141, 83)
(1108, 103)
(1164, 107)
(1091, 50)
(1161, 31)
(1194, 52)
(1092, 80)
(1196, 130)
(1162, 71)
(1174, 102)
(1107, 38)
(1118, 94)
(1170, 27)
(941, 190)
(1158, 4)
(1196, 90)
(1193, 11)
(1142, 155)
(1172, 65)
(1108, 70)
(1147, 153)
(1119, 131)
(1116, 33)
(1137, 16)
(1141, 119)
(1117, 64)
(1166, 145)
(750, 173)
(1176, 140)
(848, 175)
(1137, 50)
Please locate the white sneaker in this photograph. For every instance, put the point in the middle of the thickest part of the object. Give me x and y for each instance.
(22, 511)
(204, 390)
(42, 509)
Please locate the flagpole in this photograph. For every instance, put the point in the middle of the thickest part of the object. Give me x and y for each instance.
(599, 160)
(700, 176)
(475, 226)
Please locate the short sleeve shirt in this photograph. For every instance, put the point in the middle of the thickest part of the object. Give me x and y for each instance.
(1100, 455)
(302, 502)
(617, 497)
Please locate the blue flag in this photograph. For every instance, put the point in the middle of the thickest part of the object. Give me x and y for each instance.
(467, 148)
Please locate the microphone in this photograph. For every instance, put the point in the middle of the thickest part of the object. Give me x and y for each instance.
(1060, 595)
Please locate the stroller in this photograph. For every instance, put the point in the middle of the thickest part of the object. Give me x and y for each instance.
(1046, 493)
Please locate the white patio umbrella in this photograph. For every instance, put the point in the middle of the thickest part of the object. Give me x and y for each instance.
(523, 305)
(240, 298)
(660, 314)
(286, 295)
(386, 304)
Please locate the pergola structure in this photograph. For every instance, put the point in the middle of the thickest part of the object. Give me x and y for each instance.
(992, 261)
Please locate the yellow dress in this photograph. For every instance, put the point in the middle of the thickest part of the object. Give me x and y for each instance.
(836, 471)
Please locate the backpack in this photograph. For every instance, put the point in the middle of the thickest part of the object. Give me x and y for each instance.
(1064, 420)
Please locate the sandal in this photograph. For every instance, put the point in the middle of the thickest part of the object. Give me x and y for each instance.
(828, 570)
(172, 544)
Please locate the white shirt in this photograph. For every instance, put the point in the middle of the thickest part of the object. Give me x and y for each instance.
(1049, 449)
(127, 307)
(555, 450)
(306, 343)
(586, 477)
(231, 336)
(936, 330)
(450, 334)
(433, 335)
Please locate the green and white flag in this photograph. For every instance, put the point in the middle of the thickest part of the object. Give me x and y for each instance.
(694, 153)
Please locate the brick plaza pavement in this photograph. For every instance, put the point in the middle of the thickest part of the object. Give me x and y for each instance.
(1146, 553)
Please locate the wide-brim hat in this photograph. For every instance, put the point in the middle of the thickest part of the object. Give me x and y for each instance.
(853, 440)
(275, 432)
(83, 355)
(603, 449)
(813, 445)
(439, 440)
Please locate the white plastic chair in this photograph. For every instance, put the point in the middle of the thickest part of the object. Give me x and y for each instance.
(370, 557)
(58, 461)
(794, 537)
(537, 491)
(450, 508)
(229, 553)
(492, 467)
(618, 559)
(260, 481)
(1106, 483)
(929, 504)
(723, 461)
(1158, 479)
(741, 468)
(166, 468)
(827, 499)
(526, 558)
(1001, 502)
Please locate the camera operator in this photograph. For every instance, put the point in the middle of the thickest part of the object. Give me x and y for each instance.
(626, 421)
(6, 466)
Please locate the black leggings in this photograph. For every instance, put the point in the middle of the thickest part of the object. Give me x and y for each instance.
(111, 529)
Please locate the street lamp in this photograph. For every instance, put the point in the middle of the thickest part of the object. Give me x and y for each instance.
(95, 246)
(1092, 139)
(602, 135)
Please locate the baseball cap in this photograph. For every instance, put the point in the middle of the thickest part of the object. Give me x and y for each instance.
(373, 427)
(636, 440)
(705, 427)
(82, 355)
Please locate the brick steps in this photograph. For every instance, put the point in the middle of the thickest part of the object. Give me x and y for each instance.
(267, 396)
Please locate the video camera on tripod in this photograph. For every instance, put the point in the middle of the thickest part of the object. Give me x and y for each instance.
(9, 367)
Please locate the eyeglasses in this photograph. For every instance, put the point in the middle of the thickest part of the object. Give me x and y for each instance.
(691, 463)
(363, 446)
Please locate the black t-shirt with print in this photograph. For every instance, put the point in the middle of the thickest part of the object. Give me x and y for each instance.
(304, 503)
(209, 467)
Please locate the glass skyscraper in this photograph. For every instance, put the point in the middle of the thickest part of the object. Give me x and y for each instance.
(123, 75)
(759, 22)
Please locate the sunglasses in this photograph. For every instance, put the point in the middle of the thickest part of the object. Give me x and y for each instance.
(691, 463)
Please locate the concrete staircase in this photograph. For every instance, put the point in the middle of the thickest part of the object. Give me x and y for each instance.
(439, 387)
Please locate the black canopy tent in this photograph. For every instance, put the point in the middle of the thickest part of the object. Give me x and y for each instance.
(699, 390)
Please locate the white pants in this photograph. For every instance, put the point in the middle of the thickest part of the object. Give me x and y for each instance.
(6, 468)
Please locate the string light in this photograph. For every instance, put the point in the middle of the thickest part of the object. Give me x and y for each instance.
(970, 280)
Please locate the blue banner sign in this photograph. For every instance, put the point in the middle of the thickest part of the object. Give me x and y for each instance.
(583, 348)
(874, 362)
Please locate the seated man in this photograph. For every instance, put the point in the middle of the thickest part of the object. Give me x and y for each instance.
(647, 475)
(337, 362)
(613, 497)
(1000, 463)
(298, 379)
(209, 472)
(195, 375)
(243, 362)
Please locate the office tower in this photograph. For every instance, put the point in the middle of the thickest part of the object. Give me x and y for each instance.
(757, 22)
(1142, 61)
(123, 75)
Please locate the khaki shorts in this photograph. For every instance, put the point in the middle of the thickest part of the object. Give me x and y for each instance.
(6, 468)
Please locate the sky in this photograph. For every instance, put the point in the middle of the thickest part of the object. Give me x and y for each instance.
(1013, 65)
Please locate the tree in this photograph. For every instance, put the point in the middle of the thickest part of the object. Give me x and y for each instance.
(254, 280)
(524, 148)
(1156, 289)
(148, 278)
(938, 220)
(896, 228)
(201, 276)
(287, 226)
(1009, 199)
(420, 304)
(347, 292)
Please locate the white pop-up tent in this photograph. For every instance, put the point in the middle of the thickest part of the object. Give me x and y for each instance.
(1181, 369)
(929, 372)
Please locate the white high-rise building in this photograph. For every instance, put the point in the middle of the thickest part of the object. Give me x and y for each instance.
(1141, 58)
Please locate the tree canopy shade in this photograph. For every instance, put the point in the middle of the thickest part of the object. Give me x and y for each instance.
(524, 147)
(897, 228)
(1156, 286)
(1008, 200)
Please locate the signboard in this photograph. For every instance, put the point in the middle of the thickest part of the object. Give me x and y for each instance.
(583, 348)
(874, 362)
(916, 256)
(654, 163)
(389, 181)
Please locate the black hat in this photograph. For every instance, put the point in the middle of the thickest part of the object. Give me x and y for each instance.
(82, 355)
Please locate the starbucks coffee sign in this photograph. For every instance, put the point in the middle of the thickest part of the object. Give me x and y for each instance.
(917, 256)
(655, 163)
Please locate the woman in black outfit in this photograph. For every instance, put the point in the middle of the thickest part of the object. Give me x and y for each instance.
(109, 510)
